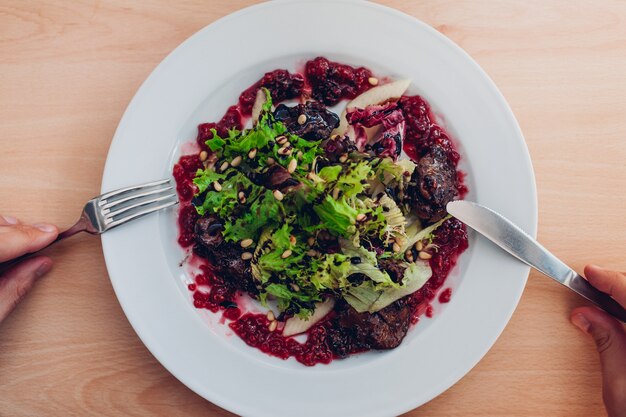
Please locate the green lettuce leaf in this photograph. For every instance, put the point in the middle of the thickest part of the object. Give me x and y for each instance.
(264, 212)
(205, 178)
(338, 215)
(415, 234)
(371, 298)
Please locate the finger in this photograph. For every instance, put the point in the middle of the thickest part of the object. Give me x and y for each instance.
(610, 339)
(8, 220)
(610, 282)
(16, 240)
(16, 282)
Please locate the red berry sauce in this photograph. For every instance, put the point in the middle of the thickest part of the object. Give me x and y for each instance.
(445, 296)
(253, 329)
(213, 293)
(232, 119)
(329, 82)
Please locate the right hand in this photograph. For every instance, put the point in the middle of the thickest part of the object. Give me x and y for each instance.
(609, 336)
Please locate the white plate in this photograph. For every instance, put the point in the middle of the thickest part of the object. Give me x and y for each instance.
(196, 83)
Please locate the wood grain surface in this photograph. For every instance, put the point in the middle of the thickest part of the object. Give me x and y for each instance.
(69, 68)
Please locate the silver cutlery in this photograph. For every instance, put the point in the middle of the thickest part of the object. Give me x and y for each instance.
(518, 243)
(115, 208)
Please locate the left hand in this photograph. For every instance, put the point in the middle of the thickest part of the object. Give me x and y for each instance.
(17, 239)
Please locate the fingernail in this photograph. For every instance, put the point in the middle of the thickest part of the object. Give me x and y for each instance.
(48, 228)
(43, 269)
(10, 219)
(581, 322)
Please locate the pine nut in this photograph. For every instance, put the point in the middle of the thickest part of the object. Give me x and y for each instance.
(372, 80)
(360, 217)
(302, 119)
(299, 154)
(343, 158)
(270, 316)
(252, 153)
(217, 186)
(278, 195)
(224, 166)
(246, 242)
(246, 255)
(312, 253)
(295, 287)
(204, 155)
(336, 193)
(419, 245)
(293, 164)
(310, 241)
(271, 161)
(396, 247)
(236, 161)
(408, 255)
(286, 254)
(292, 239)
(272, 326)
(424, 255)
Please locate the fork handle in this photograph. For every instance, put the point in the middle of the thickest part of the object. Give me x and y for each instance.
(80, 226)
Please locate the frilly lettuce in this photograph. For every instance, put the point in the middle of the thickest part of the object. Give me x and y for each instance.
(371, 298)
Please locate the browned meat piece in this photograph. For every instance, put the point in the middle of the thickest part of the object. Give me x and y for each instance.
(351, 331)
(317, 124)
(225, 257)
(208, 232)
(276, 177)
(393, 267)
(433, 185)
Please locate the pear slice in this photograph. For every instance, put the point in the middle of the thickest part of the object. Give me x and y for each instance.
(259, 101)
(295, 325)
(372, 96)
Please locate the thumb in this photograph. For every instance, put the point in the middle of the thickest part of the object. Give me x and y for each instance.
(610, 339)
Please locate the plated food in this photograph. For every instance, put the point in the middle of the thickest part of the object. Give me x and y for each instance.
(319, 214)
(196, 83)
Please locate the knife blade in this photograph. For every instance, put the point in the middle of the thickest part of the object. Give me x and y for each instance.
(518, 243)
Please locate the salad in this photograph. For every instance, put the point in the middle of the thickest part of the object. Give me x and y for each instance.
(318, 216)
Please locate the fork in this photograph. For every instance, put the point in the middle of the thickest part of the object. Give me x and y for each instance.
(115, 208)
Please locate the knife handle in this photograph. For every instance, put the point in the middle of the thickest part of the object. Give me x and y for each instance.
(581, 286)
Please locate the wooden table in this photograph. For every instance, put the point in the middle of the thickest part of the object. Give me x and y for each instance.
(68, 70)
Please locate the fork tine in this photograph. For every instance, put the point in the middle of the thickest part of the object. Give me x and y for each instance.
(111, 215)
(105, 205)
(140, 213)
(131, 188)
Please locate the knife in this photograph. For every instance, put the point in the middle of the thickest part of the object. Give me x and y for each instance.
(518, 243)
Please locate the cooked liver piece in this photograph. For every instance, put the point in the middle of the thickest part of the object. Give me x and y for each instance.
(352, 331)
(225, 257)
(433, 185)
(318, 124)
